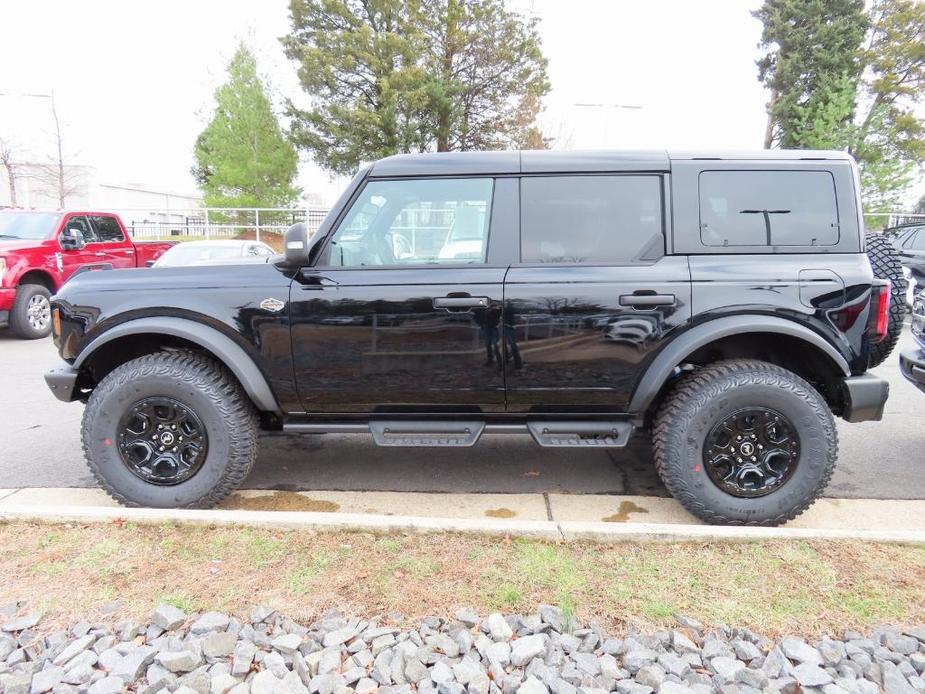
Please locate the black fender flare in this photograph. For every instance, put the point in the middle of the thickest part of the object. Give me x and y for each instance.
(223, 347)
(688, 342)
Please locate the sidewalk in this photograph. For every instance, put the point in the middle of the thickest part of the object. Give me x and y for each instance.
(552, 516)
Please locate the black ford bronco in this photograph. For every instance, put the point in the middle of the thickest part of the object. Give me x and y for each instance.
(727, 305)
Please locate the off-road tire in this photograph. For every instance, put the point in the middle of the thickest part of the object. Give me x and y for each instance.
(199, 383)
(885, 262)
(19, 315)
(702, 399)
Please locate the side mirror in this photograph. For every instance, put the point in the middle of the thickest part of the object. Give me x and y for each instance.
(299, 247)
(71, 239)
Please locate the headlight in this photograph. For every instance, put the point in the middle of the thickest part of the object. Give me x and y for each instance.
(918, 316)
(2, 269)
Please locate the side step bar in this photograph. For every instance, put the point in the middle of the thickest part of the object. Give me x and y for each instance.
(464, 433)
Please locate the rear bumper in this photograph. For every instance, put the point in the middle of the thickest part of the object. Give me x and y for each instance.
(63, 382)
(865, 397)
(912, 364)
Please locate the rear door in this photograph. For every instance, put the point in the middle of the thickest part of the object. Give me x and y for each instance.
(594, 296)
(111, 246)
(401, 312)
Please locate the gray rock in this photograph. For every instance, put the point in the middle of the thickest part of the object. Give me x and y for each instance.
(916, 632)
(638, 658)
(532, 685)
(726, 668)
(261, 614)
(682, 643)
(467, 616)
(264, 682)
(526, 648)
(442, 644)
(441, 673)
(832, 652)
(669, 687)
(337, 637)
(800, 651)
(586, 662)
(18, 683)
(466, 670)
(632, 687)
(745, 650)
(751, 677)
(906, 645)
(133, 664)
(499, 652)
(811, 675)
(168, 617)
(674, 665)
(893, 680)
(499, 629)
(73, 649)
(210, 621)
(106, 685)
(366, 686)
(44, 680)
(651, 676)
(222, 684)
(22, 623)
(553, 617)
(178, 661)
(276, 664)
(559, 686)
(415, 670)
(219, 644)
(287, 643)
(244, 652)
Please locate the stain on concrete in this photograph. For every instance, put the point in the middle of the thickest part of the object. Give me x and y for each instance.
(500, 513)
(279, 501)
(624, 511)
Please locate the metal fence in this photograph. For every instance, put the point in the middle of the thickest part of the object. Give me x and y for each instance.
(887, 220)
(264, 224)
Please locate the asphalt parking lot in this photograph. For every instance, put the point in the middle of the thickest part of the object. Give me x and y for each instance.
(41, 448)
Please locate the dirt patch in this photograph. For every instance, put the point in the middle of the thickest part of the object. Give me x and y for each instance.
(500, 513)
(279, 501)
(623, 512)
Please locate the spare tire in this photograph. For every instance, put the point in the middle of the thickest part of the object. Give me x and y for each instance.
(885, 262)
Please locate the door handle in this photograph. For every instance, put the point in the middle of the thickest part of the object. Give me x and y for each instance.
(100, 254)
(318, 281)
(458, 302)
(646, 299)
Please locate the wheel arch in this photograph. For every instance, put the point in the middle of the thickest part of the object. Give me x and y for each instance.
(743, 336)
(146, 335)
(38, 277)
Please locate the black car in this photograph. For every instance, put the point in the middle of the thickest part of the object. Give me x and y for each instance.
(450, 295)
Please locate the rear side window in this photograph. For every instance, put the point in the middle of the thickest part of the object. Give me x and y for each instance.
(591, 219)
(107, 228)
(768, 208)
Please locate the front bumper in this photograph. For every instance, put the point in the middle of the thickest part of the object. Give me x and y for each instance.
(865, 397)
(912, 364)
(63, 382)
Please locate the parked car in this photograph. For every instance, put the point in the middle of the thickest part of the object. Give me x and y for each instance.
(208, 252)
(909, 242)
(40, 251)
(768, 312)
(912, 360)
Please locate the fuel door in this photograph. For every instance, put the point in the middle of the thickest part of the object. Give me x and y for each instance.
(821, 289)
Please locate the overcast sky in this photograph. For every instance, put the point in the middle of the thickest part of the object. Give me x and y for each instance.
(133, 81)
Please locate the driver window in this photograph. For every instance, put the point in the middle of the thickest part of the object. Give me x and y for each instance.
(83, 226)
(414, 222)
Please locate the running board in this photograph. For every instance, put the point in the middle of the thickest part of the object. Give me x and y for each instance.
(426, 433)
(581, 434)
(464, 433)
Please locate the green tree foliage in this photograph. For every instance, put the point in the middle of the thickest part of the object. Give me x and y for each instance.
(243, 158)
(388, 76)
(811, 66)
(843, 78)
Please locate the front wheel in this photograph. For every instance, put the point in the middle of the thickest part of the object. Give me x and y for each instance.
(745, 442)
(30, 318)
(170, 430)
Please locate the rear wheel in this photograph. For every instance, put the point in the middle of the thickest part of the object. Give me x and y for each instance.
(885, 263)
(745, 442)
(170, 430)
(30, 318)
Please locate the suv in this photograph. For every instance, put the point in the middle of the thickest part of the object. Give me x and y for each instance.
(725, 305)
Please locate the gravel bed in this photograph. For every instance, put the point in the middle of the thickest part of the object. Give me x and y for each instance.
(540, 653)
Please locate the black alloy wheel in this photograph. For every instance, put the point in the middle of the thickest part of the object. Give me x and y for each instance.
(751, 452)
(162, 441)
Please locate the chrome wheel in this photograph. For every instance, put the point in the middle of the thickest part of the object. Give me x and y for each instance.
(38, 312)
(752, 452)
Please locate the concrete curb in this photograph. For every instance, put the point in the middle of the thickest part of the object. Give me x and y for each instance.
(568, 531)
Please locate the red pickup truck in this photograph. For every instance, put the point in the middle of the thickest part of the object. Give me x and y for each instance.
(40, 251)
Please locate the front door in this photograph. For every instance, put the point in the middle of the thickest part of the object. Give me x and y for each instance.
(401, 312)
(594, 296)
(110, 245)
(73, 262)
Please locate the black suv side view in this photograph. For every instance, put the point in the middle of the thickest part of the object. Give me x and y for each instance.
(725, 305)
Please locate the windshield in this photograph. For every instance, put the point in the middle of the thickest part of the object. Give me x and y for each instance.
(27, 225)
(188, 254)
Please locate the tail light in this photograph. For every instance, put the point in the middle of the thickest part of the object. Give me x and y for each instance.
(880, 311)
